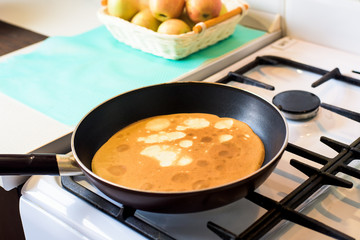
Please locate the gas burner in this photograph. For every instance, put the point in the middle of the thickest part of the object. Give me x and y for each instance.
(301, 105)
(296, 104)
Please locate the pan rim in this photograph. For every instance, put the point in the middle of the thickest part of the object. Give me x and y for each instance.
(215, 188)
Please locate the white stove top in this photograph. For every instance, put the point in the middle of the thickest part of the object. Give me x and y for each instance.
(336, 207)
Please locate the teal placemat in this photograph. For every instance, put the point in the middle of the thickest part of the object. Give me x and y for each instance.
(65, 77)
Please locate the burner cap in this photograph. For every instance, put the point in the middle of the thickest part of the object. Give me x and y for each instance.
(297, 105)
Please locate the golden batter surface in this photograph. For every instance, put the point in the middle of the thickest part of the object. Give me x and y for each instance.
(179, 152)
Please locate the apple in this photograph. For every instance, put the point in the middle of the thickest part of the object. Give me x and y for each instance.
(185, 17)
(166, 9)
(143, 4)
(145, 19)
(202, 10)
(124, 9)
(173, 26)
(223, 10)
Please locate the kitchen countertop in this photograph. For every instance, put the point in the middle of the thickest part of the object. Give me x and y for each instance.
(26, 24)
(23, 24)
(11, 39)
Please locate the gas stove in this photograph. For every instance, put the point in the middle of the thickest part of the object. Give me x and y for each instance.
(313, 193)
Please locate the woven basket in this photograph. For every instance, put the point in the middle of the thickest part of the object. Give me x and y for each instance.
(171, 46)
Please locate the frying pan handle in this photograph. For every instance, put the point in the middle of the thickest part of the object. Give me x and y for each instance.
(38, 164)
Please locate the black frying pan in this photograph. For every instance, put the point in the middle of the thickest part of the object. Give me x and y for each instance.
(187, 97)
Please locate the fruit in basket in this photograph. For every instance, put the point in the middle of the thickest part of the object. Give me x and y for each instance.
(185, 17)
(143, 4)
(166, 9)
(173, 26)
(124, 9)
(145, 19)
(203, 10)
(223, 9)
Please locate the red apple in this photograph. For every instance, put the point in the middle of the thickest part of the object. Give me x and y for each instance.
(166, 9)
(145, 19)
(173, 26)
(143, 4)
(185, 17)
(202, 10)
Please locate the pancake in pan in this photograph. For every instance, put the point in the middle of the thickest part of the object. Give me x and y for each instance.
(180, 152)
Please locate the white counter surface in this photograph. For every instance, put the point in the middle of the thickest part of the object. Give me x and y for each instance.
(22, 128)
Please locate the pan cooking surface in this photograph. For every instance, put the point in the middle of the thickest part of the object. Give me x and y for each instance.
(191, 97)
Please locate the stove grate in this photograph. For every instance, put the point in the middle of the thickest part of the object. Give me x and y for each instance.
(317, 178)
(238, 76)
(275, 60)
(233, 76)
(341, 111)
(124, 214)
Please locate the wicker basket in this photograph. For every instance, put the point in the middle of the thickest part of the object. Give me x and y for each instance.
(171, 46)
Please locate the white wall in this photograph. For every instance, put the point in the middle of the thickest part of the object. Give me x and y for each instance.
(332, 23)
(271, 6)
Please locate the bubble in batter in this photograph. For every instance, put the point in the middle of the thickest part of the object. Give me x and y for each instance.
(206, 139)
(202, 163)
(117, 170)
(180, 177)
(123, 147)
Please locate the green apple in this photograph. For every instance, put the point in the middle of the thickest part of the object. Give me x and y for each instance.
(145, 19)
(124, 9)
(173, 26)
(203, 10)
(223, 10)
(166, 9)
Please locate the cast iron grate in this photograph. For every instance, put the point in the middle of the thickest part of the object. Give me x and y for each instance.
(285, 209)
(125, 215)
(238, 76)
